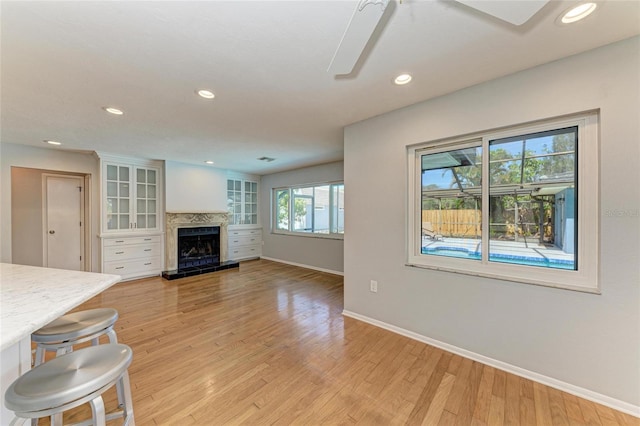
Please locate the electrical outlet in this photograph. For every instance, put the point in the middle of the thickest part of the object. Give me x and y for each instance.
(374, 286)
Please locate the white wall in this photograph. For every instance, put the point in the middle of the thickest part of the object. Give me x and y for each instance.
(191, 188)
(586, 340)
(13, 155)
(319, 253)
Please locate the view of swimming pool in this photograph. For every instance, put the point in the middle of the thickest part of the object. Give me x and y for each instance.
(503, 251)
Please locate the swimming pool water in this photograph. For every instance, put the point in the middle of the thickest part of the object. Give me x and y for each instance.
(464, 253)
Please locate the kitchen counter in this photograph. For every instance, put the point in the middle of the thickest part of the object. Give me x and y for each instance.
(31, 297)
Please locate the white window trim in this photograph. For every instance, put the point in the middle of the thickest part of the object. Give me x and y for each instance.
(274, 212)
(586, 278)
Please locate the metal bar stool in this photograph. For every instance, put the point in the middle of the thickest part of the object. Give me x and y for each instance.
(60, 335)
(70, 380)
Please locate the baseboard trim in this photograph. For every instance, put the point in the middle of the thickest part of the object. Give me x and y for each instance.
(315, 268)
(616, 404)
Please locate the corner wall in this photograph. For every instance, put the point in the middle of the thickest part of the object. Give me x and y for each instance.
(13, 155)
(317, 253)
(588, 341)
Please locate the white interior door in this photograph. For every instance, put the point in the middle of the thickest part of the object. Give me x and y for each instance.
(63, 222)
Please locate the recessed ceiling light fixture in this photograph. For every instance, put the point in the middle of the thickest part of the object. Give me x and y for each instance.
(112, 110)
(402, 79)
(207, 94)
(209, 162)
(577, 13)
(52, 142)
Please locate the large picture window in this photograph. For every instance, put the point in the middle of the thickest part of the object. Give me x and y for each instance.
(311, 210)
(519, 204)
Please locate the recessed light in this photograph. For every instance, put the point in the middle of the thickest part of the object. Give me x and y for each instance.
(209, 162)
(207, 94)
(112, 110)
(402, 79)
(577, 13)
(52, 142)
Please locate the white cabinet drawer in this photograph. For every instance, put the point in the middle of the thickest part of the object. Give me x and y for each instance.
(133, 267)
(244, 241)
(131, 251)
(244, 252)
(133, 257)
(111, 242)
(245, 232)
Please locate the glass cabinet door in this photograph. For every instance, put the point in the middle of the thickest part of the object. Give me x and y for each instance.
(250, 203)
(234, 201)
(132, 198)
(118, 207)
(146, 198)
(242, 202)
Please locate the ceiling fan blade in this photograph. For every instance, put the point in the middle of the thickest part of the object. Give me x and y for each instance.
(514, 12)
(363, 22)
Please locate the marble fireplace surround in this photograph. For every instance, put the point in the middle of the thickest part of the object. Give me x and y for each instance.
(175, 220)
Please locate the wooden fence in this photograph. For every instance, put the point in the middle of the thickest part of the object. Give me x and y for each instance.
(454, 223)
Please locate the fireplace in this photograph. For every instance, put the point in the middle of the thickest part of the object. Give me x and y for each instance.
(198, 246)
(195, 243)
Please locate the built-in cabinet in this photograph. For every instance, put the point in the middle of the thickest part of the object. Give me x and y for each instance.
(245, 233)
(242, 201)
(131, 197)
(131, 236)
(245, 243)
(132, 257)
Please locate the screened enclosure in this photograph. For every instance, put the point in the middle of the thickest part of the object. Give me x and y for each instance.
(530, 196)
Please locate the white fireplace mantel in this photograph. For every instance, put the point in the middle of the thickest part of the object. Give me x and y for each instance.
(175, 220)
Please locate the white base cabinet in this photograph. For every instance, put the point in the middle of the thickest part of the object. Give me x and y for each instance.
(245, 243)
(132, 257)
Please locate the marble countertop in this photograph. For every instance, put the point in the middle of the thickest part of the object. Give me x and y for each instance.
(31, 297)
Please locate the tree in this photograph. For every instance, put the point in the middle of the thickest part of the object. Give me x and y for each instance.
(299, 210)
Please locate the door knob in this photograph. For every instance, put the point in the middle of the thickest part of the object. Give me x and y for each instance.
(52, 232)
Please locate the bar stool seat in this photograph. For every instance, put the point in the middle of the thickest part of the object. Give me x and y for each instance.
(61, 334)
(70, 380)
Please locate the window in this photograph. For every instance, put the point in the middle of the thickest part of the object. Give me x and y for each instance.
(311, 210)
(519, 204)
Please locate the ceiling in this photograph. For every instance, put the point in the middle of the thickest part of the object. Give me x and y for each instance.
(266, 62)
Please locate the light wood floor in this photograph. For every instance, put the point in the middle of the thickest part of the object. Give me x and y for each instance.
(267, 344)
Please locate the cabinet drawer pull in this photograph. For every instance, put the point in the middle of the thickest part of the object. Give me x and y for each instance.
(119, 267)
(119, 241)
(147, 239)
(148, 263)
(147, 249)
(119, 252)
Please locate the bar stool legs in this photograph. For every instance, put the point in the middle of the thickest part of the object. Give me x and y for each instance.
(71, 380)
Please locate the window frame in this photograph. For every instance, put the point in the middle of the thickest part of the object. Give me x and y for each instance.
(586, 277)
(291, 223)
